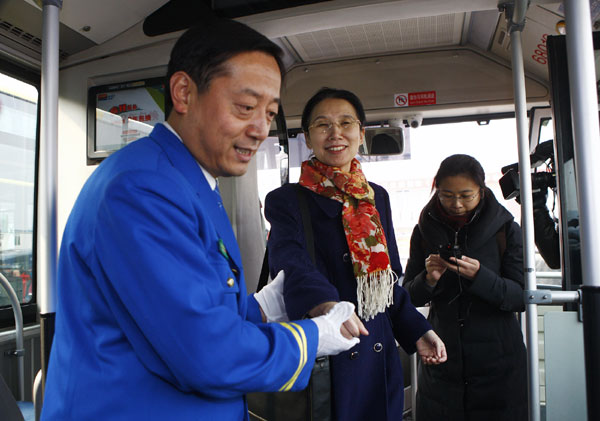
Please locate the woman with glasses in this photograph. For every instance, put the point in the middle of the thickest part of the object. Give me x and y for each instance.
(466, 260)
(356, 260)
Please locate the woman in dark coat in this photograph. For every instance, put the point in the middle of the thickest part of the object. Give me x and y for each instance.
(356, 256)
(474, 295)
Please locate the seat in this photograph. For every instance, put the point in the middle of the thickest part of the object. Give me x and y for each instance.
(8, 405)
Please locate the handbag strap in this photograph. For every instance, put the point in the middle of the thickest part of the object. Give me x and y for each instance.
(301, 194)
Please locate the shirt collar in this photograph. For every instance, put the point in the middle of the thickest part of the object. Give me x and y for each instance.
(212, 181)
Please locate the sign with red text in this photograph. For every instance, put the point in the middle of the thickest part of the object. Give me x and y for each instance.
(413, 99)
(125, 115)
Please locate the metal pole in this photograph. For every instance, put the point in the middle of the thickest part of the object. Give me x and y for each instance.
(527, 223)
(20, 351)
(586, 142)
(518, 17)
(586, 135)
(515, 28)
(47, 178)
(548, 297)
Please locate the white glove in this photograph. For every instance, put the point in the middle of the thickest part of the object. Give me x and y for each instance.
(270, 299)
(331, 341)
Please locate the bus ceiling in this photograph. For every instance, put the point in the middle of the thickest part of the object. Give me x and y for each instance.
(307, 31)
(436, 83)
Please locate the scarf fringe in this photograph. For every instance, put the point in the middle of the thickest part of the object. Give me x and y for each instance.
(375, 292)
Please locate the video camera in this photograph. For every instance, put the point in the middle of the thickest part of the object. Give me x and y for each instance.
(540, 181)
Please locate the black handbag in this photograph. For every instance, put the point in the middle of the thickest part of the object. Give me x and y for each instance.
(314, 402)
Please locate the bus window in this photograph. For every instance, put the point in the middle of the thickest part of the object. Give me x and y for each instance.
(271, 164)
(18, 128)
(546, 130)
(548, 276)
(408, 177)
(409, 181)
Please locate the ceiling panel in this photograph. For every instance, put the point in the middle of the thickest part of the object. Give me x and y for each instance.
(21, 31)
(380, 37)
(460, 77)
(99, 25)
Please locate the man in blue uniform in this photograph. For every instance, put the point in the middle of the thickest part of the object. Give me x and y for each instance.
(153, 321)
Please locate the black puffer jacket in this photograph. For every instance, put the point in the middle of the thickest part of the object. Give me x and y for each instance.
(485, 377)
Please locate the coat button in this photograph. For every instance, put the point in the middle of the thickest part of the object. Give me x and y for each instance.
(346, 257)
(377, 347)
(354, 355)
(230, 282)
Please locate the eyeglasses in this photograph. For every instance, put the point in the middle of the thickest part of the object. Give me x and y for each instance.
(448, 198)
(325, 126)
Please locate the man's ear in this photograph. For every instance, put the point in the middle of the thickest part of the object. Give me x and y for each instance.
(181, 86)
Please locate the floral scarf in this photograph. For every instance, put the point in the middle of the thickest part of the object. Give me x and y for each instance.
(363, 229)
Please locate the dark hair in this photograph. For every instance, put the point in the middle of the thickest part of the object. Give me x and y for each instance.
(326, 93)
(203, 49)
(460, 164)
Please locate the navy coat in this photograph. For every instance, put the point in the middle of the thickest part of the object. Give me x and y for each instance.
(153, 321)
(367, 380)
(485, 376)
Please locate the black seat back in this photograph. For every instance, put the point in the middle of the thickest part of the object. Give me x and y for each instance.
(8, 406)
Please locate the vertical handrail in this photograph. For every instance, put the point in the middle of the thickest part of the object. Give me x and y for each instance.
(586, 134)
(20, 351)
(586, 142)
(516, 16)
(46, 237)
(531, 312)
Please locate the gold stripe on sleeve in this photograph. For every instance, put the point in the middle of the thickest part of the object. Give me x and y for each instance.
(301, 340)
(304, 341)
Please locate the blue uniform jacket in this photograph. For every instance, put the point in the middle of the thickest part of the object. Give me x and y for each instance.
(367, 380)
(153, 321)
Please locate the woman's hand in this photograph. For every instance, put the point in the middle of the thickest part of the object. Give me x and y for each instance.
(435, 267)
(466, 266)
(431, 349)
(351, 328)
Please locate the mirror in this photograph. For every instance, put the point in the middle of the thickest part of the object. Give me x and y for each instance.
(382, 141)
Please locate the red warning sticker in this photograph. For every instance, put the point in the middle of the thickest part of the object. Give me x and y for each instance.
(413, 99)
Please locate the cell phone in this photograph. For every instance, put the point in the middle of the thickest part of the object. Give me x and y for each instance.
(447, 251)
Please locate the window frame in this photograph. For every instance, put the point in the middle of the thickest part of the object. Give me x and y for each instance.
(29, 310)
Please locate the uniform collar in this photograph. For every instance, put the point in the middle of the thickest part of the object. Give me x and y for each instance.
(183, 161)
(212, 181)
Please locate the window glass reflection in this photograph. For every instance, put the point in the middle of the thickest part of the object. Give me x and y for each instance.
(18, 123)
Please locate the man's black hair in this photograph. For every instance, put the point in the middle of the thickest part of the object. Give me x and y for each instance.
(326, 93)
(204, 48)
